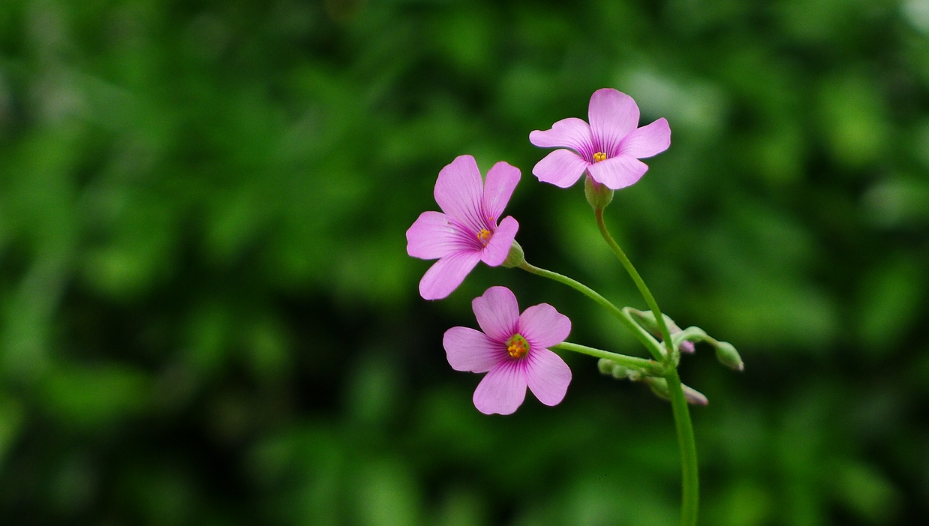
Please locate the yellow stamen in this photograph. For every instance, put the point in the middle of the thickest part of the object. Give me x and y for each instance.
(599, 156)
(517, 347)
(484, 236)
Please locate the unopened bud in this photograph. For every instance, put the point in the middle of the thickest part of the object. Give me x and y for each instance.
(659, 386)
(516, 257)
(693, 396)
(598, 195)
(620, 372)
(728, 356)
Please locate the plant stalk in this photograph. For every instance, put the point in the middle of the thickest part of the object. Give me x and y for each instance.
(650, 367)
(690, 480)
(653, 346)
(634, 274)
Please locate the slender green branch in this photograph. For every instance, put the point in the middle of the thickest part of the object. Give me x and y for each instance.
(650, 367)
(690, 499)
(653, 346)
(634, 274)
(694, 334)
(690, 483)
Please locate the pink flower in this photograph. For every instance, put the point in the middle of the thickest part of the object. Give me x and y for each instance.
(513, 352)
(467, 232)
(609, 148)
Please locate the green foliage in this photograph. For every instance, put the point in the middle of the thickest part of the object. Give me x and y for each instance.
(207, 315)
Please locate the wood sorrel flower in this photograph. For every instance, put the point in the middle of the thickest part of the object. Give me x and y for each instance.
(513, 352)
(467, 232)
(609, 148)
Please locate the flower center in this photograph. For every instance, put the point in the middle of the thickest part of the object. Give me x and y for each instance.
(517, 347)
(599, 156)
(483, 236)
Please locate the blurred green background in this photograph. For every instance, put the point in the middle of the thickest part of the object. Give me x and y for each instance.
(207, 314)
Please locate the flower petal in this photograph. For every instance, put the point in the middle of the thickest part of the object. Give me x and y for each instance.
(618, 172)
(501, 181)
(613, 115)
(458, 191)
(647, 141)
(471, 350)
(498, 247)
(543, 326)
(502, 390)
(432, 237)
(547, 376)
(561, 168)
(446, 274)
(497, 313)
(571, 133)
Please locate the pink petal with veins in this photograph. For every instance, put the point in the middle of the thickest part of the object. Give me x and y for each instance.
(647, 141)
(497, 313)
(561, 168)
(502, 390)
(501, 181)
(547, 376)
(446, 274)
(498, 247)
(543, 326)
(618, 172)
(613, 115)
(471, 350)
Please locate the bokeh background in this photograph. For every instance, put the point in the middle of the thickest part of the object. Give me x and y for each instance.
(207, 314)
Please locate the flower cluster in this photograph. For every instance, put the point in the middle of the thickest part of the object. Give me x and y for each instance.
(513, 348)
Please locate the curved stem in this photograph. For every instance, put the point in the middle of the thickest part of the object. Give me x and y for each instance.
(634, 274)
(646, 339)
(650, 367)
(690, 499)
(694, 334)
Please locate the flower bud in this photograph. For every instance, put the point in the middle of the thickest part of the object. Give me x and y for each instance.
(620, 372)
(686, 347)
(728, 356)
(598, 195)
(693, 396)
(515, 257)
(659, 386)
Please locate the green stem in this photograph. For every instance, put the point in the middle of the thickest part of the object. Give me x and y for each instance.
(694, 334)
(634, 274)
(649, 367)
(690, 499)
(646, 339)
